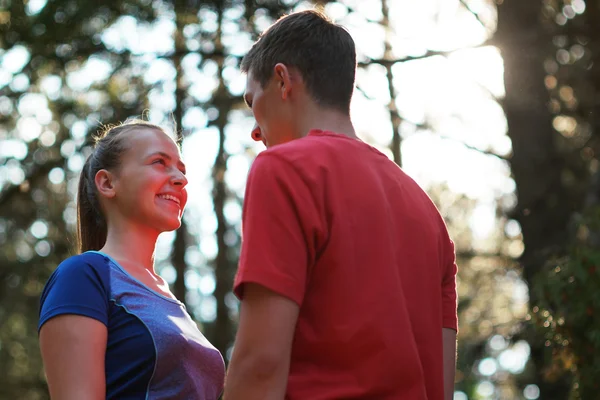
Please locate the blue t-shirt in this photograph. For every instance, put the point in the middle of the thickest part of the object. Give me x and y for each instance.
(154, 349)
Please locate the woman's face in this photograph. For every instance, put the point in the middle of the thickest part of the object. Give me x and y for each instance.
(149, 185)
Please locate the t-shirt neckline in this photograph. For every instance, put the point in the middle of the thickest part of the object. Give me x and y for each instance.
(321, 132)
(120, 268)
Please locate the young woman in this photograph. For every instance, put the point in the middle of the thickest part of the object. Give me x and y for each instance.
(109, 325)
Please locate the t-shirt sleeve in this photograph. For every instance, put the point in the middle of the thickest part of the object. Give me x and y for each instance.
(281, 225)
(76, 287)
(449, 295)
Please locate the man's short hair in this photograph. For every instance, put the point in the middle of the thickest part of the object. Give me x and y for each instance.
(323, 53)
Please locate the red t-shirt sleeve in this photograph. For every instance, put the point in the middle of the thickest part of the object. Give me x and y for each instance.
(279, 225)
(449, 298)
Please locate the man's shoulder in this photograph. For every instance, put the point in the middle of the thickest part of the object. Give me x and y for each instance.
(303, 147)
(298, 155)
(316, 149)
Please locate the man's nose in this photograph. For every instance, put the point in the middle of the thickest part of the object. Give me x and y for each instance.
(256, 133)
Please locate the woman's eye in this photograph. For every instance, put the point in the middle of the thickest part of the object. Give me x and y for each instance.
(159, 161)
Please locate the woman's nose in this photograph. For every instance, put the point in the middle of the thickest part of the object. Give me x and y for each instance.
(179, 179)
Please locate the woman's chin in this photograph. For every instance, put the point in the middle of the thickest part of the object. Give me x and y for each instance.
(170, 226)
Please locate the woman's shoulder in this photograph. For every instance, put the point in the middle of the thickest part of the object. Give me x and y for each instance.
(87, 260)
(88, 266)
(80, 285)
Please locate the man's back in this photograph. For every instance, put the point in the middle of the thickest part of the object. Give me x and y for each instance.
(374, 276)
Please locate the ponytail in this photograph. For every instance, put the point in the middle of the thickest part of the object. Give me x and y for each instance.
(91, 224)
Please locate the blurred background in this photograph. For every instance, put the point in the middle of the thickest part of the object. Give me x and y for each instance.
(492, 106)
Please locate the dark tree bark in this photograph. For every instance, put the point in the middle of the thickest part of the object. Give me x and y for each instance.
(396, 142)
(181, 236)
(544, 206)
(592, 21)
(224, 330)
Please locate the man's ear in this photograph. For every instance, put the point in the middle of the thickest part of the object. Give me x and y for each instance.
(104, 181)
(283, 78)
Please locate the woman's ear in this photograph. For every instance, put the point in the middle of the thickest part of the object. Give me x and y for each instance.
(104, 184)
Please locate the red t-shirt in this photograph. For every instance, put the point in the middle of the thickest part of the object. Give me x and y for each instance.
(337, 227)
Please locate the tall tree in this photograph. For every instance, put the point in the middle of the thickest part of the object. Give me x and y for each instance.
(224, 265)
(552, 178)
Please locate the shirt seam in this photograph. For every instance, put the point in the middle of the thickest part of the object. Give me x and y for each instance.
(153, 343)
(78, 306)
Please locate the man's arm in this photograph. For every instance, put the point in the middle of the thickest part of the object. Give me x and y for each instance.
(449, 340)
(261, 357)
(449, 320)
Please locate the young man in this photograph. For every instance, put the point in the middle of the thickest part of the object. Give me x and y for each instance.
(347, 274)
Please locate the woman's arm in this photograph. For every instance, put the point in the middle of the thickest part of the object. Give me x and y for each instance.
(73, 350)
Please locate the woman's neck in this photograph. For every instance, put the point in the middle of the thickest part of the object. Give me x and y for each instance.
(134, 246)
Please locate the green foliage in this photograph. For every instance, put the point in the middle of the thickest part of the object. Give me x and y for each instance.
(568, 311)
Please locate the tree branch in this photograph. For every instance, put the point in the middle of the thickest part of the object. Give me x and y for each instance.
(477, 17)
(473, 254)
(427, 54)
(482, 151)
(352, 10)
(385, 63)
(362, 91)
(426, 126)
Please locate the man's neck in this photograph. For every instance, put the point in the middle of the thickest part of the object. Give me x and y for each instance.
(326, 120)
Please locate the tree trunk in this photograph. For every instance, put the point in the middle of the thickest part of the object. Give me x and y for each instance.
(223, 333)
(592, 19)
(544, 208)
(393, 109)
(181, 236)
